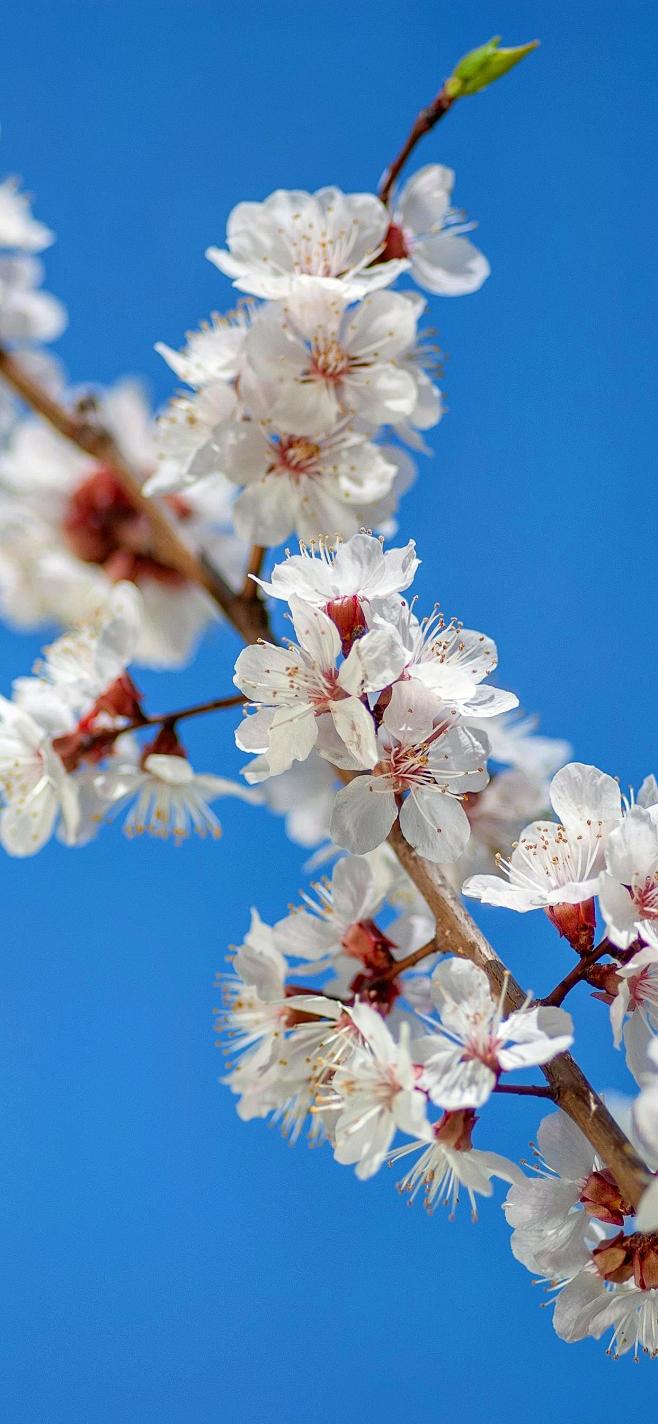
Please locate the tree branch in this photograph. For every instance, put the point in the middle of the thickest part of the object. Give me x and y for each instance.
(457, 933)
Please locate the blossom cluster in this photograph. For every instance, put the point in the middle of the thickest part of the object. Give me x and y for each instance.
(301, 397)
(355, 1017)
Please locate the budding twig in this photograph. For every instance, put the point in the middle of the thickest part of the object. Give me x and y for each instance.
(423, 124)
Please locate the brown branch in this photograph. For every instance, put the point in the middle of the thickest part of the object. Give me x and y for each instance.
(423, 124)
(456, 932)
(249, 589)
(580, 971)
(247, 616)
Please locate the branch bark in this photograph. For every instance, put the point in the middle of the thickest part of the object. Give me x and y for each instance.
(456, 932)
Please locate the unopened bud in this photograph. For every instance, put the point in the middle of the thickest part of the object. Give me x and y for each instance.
(482, 66)
(614, 1259)
(455, 1129)
(645, 1262)
(365, 941)
(602, 1198)
(576, 923)
(349, 618)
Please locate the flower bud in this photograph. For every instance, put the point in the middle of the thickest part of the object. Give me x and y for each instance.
(482, 66)
(349, 618)
(576, 923)
(602, 1198)
(365, 941)
(645, 1262)
(614, 1259)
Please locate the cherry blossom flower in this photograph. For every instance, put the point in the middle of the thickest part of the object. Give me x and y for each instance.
(276, 247)
(26, 313)
(448, 1162)
(349, 580)
(637, 990)
(330, 924)
(418, 772)
(214, 353)
(376, 1094)
(427, 230)
(36, 788)
(474, 1043)
(303, 795)
(295, 686)
(449, 661)
(548, 1226)
(293, 483)
(18, 227)
(558, 862)
(628, 892)
(566, 1227)
(325, 362)
(170, 798)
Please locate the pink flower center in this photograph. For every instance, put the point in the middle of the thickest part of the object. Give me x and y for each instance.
(102, 526)
(296, 456)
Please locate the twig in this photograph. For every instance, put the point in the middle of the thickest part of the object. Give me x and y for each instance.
(580, 971)
(425, 121)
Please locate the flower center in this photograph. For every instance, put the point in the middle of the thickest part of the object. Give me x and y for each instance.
(297, 456)
(102, 526)
(329, 361)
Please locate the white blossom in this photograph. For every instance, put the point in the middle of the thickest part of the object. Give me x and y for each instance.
(295, 686)
(358, 568)
(629, 890)
(376, 1093)
(276, 247)
(170, 798)
(325, 362)
(474, 1042)
(558, 862)
(18, 227)
(417, 772)
(430, 233)
(36, 789)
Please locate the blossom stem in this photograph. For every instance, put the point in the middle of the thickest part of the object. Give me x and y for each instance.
(247, 615)
(399, 965)
(579, 972)
(423, 124)
(458, 934)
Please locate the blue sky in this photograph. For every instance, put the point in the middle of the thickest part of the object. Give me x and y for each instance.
(161, 1261)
